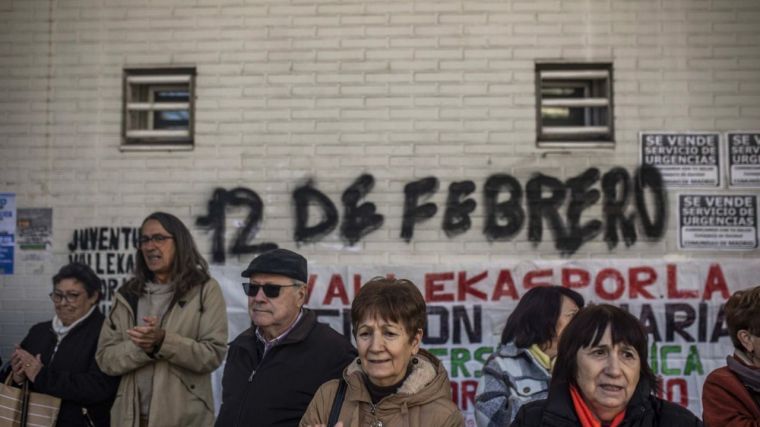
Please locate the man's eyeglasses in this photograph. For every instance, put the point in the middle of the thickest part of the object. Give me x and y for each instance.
(70, 298)
(156, 238)
(270, 290)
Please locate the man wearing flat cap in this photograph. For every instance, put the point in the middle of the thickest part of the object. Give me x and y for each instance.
(274, 368)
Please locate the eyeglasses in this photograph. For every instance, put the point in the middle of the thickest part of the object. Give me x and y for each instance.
(70, 298)
(270, 290)
(156, 238)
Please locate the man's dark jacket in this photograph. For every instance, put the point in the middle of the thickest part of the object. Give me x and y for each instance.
(275, 391)
(643, 410)
(73, 375)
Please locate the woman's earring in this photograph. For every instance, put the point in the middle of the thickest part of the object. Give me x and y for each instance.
(358, 361)
(415, 360)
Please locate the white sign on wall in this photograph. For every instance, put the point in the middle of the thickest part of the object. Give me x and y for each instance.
(717, 221)
(684, 159)
(743, 154)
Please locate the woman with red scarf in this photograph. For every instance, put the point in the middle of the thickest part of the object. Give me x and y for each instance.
(601, 378)
(731, 394)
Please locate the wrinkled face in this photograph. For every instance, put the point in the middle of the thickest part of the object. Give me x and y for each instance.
(567, 311)
(385, 349)
(159, 257)
(72, 290)
(607, 376)
(273, 316)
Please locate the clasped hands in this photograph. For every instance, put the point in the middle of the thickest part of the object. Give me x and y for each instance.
(25, 366)
(148, 336)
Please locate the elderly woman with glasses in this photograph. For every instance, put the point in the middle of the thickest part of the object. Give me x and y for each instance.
(166, 333)
(57, 357)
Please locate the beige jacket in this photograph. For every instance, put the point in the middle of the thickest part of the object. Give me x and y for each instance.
(423, 400)
(194, 346)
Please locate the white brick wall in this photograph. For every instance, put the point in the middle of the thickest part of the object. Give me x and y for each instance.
(293, 90)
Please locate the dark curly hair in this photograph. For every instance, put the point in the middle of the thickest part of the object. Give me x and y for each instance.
(83, 274)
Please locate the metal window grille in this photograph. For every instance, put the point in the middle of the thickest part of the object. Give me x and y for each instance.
(158, 108)
(574, 105)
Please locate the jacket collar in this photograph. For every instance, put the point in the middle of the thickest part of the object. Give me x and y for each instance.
(560, 404)
(248, 341)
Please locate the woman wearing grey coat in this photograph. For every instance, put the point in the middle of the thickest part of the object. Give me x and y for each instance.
(519, 371)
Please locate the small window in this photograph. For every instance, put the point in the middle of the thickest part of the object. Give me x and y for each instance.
(158, 109)
(574, 105)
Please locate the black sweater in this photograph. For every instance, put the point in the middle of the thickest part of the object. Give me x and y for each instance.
(73, 375)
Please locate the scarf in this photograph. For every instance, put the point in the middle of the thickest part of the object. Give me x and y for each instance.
(542, 358)
(585, 416)
(747, 374)
(61, 330)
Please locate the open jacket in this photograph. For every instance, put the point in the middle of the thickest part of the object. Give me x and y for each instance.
(274, 389)
(643, 410)
(511, 377)
(72, 374)
(727, 402)
(423, 400)
(194, 346)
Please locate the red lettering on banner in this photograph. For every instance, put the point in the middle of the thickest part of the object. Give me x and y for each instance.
(434, 287)
(715, 282)
(504, 286)
(466, 397)
(310, 286)
(673, 291)
(638, 278)
(683, 393)
(357, 283)
(531, 278)
(575, 278)
(609, 273)
(336, 289)
(465, 286)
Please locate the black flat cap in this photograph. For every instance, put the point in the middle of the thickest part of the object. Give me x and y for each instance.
(279, 261)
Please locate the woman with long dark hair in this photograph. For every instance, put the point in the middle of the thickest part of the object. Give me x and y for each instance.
(519, 370)
(166, 333)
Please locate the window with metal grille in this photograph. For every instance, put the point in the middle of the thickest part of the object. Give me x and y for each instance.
(574, 105)
(158, 109)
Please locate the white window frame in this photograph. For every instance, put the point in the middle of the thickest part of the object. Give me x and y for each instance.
(144, 136)
(596, 80)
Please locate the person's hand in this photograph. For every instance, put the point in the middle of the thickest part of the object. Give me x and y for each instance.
(148, 336)
(17, 366)
(25, 366)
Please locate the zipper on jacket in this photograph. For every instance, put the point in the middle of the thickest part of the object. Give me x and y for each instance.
(87, 417)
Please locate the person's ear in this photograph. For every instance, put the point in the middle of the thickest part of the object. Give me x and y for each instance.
(416, 341)
(745, 338)
(301, 292)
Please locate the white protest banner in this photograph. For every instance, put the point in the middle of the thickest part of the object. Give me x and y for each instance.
(679, 303)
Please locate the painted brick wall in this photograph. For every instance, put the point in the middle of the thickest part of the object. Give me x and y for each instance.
(300, 89)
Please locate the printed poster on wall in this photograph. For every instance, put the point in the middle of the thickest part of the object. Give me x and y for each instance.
(34, 237)
(680, 305)
(743, 159)
(684, 159)
(7, 231)
(717, 221)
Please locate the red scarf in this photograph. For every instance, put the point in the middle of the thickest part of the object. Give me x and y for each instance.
(585, 416)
